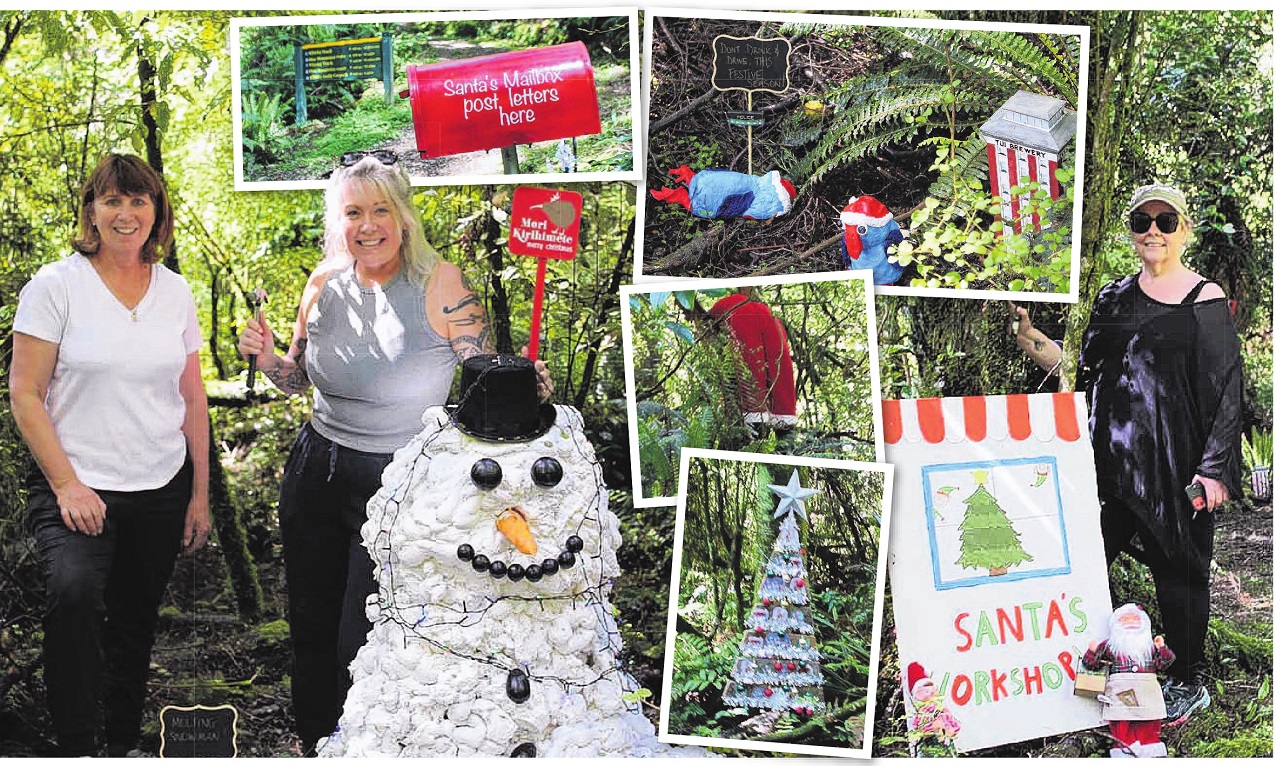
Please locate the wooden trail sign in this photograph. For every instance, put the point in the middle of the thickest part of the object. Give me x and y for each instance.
(366, 58)
(545, 223)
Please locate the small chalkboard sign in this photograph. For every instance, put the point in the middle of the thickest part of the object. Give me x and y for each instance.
(198, 732)
(751, 63)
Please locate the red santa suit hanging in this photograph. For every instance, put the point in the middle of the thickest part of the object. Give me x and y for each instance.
(770, 397)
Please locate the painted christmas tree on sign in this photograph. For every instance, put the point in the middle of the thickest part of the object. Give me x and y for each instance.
(988, 540)
(779, 665)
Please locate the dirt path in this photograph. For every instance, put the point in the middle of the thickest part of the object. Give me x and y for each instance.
(1241, 588)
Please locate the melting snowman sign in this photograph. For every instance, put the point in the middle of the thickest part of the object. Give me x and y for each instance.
(545, 224)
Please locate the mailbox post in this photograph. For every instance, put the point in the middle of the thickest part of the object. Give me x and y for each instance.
(1024, 139)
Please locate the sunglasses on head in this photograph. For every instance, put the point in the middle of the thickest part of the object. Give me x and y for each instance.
(384, 156)
(1166, 223)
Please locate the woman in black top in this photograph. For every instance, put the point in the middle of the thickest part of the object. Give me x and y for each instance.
(1161, 367)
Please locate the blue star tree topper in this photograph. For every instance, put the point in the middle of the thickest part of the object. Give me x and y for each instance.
(792, 496)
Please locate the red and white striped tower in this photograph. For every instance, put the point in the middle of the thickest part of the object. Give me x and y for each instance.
(1024, 139)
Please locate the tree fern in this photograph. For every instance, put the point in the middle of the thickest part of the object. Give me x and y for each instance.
(950, 79)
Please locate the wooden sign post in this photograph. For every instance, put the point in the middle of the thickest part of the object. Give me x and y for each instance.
(751, 64)
(545, 223)
(344, 60)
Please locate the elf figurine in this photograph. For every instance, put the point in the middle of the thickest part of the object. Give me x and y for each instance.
(769, 396)
(934, 729)
(870, 229)
(721, 194)
(1133, 704)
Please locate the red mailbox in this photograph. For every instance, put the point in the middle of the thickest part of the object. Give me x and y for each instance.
(490, 102)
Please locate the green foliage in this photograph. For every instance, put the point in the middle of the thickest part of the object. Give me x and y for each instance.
(950, 79)
(1256, 448)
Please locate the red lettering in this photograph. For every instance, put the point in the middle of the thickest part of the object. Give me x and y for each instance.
(1032, 676)
(1065, 659)
(1006, 624)
(970, 640)
(962, 689)
(1055, 615)
(998, 685)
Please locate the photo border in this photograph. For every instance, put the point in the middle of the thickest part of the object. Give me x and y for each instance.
(879, 590)
(636, 110)
(631, 405)
(715, 11)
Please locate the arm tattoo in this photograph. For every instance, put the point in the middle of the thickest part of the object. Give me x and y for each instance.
(1037, 345)
(290, 375)
(468, 300)
(466, 346)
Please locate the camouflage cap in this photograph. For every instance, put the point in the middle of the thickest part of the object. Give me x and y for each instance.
(1162, 193)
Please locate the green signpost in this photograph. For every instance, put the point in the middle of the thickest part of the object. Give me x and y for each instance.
(343, 61)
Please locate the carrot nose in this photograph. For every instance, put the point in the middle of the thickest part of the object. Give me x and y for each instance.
(513, 524)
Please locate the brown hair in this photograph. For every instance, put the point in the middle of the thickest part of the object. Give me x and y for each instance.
(125, 174)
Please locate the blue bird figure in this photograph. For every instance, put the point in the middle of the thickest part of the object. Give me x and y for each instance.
(721, 194)
(870, 229)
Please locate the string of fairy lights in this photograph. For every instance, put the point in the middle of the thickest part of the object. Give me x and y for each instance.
(419, 620)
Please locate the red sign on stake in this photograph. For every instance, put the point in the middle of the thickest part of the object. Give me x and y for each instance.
(491, 102)
(546, 224)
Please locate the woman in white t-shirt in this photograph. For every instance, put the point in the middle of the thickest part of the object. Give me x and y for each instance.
(106, 390)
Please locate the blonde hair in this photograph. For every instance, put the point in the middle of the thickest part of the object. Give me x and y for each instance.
(419, 258)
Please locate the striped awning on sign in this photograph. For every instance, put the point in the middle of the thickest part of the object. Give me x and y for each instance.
(975, 418)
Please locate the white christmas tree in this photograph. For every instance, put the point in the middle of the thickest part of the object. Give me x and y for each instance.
(779, 664)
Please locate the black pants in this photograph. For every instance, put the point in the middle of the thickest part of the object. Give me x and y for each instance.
(102, 605)
(1182, 587)
(322, 505)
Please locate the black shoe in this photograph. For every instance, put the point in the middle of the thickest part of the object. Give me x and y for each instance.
(1182, 699)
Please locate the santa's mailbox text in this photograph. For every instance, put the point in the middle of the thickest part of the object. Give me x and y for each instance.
(492, 102)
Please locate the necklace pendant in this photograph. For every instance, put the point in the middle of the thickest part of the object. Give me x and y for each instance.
(133, 313)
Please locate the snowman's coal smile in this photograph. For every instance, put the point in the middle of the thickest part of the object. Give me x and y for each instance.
(498, 569)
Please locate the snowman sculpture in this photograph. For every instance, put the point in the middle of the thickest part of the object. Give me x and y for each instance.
(494, 551)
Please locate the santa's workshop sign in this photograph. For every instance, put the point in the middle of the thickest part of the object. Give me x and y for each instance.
(492, 102)
(996, 565)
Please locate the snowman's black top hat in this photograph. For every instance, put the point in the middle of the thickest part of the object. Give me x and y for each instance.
(498, 399)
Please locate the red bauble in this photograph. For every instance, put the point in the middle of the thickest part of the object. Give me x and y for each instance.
(800, 582)
(802, 551)
(792, 666)
(759, 630)
(766, 602)
(767, 692)
(779, 665)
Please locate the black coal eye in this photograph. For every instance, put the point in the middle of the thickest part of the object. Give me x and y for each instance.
(861, 229)
(486, 473)
(547, 472)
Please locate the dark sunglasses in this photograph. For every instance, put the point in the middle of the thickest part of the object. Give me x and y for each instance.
(384, 156)
(1166, 223)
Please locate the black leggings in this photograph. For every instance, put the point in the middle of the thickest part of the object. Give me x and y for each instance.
(1182, 587)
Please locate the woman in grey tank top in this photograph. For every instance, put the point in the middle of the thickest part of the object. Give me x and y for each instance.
(382, 324)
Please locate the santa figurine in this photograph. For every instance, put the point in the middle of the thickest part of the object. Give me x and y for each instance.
(719, 194)
(869, 229)
(934, 729)
(1133, 704)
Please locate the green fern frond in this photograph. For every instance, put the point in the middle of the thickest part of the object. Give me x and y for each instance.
(970, 161)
